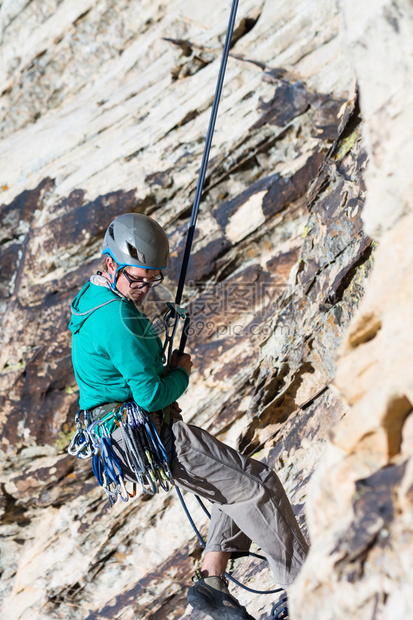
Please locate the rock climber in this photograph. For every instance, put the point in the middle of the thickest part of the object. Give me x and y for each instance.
(117, 357)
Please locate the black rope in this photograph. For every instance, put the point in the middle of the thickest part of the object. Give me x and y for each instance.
(205, 156)
(204, 508)
(187, 254)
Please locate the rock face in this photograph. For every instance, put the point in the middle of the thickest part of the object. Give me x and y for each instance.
(104, 110)
(360, 502)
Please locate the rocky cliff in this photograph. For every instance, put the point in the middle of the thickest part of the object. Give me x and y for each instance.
(104, 110)
(360, 502)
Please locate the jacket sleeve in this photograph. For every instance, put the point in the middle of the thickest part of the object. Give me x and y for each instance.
(134, 349)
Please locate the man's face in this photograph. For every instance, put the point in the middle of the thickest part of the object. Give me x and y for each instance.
(133, 282)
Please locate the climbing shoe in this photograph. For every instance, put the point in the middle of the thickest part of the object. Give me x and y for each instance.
(211, 596)
(280, 609)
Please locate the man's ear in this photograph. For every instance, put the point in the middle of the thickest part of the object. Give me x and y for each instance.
(110, 265)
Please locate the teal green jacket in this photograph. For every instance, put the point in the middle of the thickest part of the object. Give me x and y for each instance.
(117, 355)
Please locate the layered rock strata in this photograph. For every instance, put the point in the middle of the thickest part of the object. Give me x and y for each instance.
(105, 108)
(360, 503)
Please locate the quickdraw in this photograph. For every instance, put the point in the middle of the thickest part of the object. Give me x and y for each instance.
(145, 453)
(82, 444)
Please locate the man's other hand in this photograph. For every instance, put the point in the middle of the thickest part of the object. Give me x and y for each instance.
(184, 361)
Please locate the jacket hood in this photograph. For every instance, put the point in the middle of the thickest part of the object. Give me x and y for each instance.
(89, 299)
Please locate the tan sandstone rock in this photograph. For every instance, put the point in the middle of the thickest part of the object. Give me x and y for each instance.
(360, 499)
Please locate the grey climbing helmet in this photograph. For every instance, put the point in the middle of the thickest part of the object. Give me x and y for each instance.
(136, 240)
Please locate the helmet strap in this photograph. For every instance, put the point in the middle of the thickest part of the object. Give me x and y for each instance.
(113, 284)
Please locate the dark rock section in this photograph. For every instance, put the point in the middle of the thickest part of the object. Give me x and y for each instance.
(16, 221)
(334, 262)
(374, 506)
(289, 100)
(38, 385)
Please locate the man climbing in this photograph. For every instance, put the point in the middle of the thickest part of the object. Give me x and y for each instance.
(117, 358)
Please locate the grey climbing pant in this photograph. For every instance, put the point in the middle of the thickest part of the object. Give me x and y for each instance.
(249, 502)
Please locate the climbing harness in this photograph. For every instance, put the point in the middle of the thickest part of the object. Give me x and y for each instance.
(145, 453)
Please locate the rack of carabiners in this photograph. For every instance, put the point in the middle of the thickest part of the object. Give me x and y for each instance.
(145, 453)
